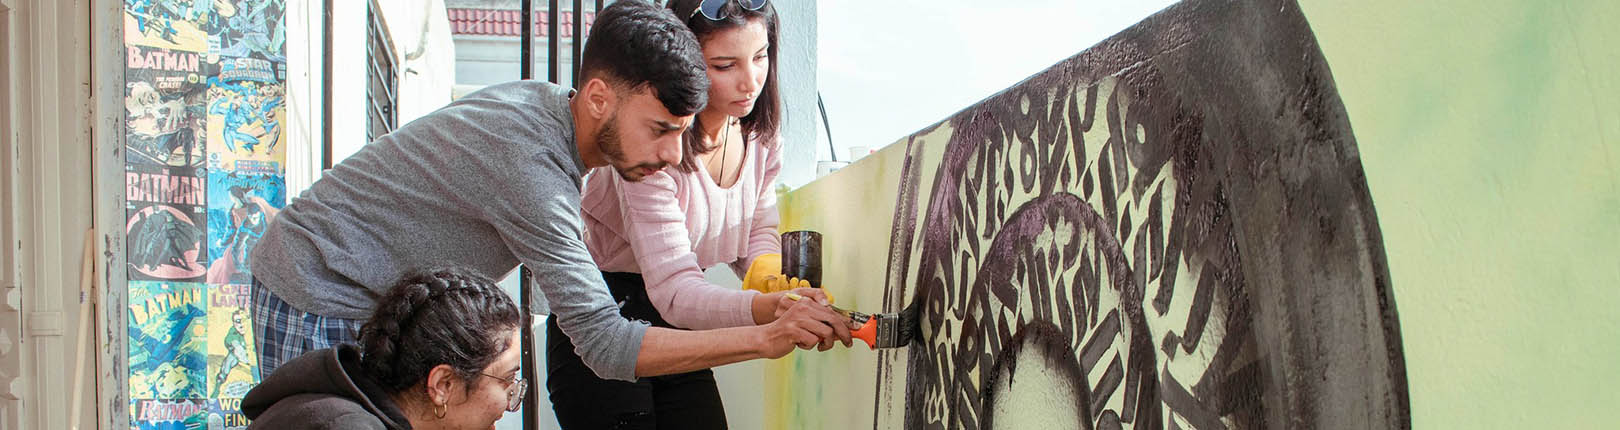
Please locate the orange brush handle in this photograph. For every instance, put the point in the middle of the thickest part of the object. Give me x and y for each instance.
(867, 332)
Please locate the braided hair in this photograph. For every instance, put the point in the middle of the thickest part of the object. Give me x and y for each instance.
(445, 316)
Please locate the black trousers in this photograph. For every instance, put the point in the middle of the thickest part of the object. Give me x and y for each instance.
(583, 401)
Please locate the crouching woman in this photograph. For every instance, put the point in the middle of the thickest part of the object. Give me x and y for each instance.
(440, 352)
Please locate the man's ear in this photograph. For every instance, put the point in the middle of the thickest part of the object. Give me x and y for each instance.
(599, 98)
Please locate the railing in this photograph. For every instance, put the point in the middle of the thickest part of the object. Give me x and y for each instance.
(554, 75)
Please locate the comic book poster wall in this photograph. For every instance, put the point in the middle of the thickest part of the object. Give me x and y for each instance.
(166, 222)
(165, 99)
(232, 365)
(245, 104)
(240, 205)
(167, 328)
(205, 172)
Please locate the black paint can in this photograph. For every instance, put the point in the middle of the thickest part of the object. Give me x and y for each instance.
(801, 256)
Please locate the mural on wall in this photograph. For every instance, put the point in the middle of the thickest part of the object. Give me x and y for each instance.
(205, 167)
(1169, 230)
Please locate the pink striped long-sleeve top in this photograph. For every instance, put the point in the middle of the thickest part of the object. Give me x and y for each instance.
(671, 225)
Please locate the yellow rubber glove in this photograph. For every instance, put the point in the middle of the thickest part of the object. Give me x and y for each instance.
(765, 276)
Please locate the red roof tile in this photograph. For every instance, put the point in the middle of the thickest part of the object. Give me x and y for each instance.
(504, 22)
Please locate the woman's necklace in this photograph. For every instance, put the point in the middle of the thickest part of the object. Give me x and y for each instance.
(725, 148)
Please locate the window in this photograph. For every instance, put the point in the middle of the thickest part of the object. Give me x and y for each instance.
(382, 77)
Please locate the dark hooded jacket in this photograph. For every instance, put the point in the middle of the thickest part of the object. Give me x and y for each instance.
(322, 389)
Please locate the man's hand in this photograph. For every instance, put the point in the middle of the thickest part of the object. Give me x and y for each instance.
(807, 324)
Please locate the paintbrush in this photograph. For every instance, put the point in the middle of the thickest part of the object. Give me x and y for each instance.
(879, 330)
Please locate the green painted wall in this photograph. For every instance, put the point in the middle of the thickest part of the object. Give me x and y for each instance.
(1490, 134)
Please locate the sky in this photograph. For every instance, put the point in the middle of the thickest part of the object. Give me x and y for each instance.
(889, 68)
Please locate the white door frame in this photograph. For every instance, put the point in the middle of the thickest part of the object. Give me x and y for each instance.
(47, 188)
(106, 40)
(10, 311)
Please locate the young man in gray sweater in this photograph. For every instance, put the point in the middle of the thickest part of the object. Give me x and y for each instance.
(493, 180)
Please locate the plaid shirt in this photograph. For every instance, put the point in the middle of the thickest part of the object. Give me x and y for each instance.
(282, 332)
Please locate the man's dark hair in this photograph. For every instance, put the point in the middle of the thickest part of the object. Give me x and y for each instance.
(762, 123)
(635, 45)
(446, 316)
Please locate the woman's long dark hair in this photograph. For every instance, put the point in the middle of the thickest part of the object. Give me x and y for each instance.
(762, 123)
(445, 316)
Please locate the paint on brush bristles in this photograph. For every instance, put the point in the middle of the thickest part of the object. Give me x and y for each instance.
(896, 330)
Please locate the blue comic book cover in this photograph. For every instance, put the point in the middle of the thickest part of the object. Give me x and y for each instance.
(246, 106)
(168, 354)
(182, 25)
(164, 414)
(240, 206)
(249, 29)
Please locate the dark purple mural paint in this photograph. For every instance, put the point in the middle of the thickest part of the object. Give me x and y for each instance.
(1175, 217)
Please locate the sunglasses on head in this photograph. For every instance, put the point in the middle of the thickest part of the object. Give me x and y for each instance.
(711, 8)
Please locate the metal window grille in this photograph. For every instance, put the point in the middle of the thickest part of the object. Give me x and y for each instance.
(382, 77)
(554, 42)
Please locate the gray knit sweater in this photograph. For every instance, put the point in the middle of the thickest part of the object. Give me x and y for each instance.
(490, 181)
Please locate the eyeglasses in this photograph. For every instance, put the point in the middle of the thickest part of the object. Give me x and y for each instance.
(711, 8)
(515, 389)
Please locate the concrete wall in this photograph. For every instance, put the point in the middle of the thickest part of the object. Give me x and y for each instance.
(1169, 229)
(796, 68)
(1490, 134)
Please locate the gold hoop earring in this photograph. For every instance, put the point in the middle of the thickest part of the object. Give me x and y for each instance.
(438, 411)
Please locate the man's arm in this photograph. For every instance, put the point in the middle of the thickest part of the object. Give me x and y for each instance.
(540, 222)
(806, 325)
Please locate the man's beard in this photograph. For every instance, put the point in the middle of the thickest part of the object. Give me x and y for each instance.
(607, 140)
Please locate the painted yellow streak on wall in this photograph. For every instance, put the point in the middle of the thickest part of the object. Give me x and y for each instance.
(854, 210)
(1490, 134)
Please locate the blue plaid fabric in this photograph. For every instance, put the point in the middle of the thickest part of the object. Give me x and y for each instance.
(282, 332)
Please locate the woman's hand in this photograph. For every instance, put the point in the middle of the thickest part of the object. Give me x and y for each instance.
(768, 307)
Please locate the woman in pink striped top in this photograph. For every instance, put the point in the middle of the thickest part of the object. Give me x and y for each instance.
(653, 238)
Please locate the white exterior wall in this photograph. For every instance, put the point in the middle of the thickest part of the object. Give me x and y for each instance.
(421, 34)
(304, 79)
(486, 60)
(796, 66)
(416, 26)
(348, 78)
